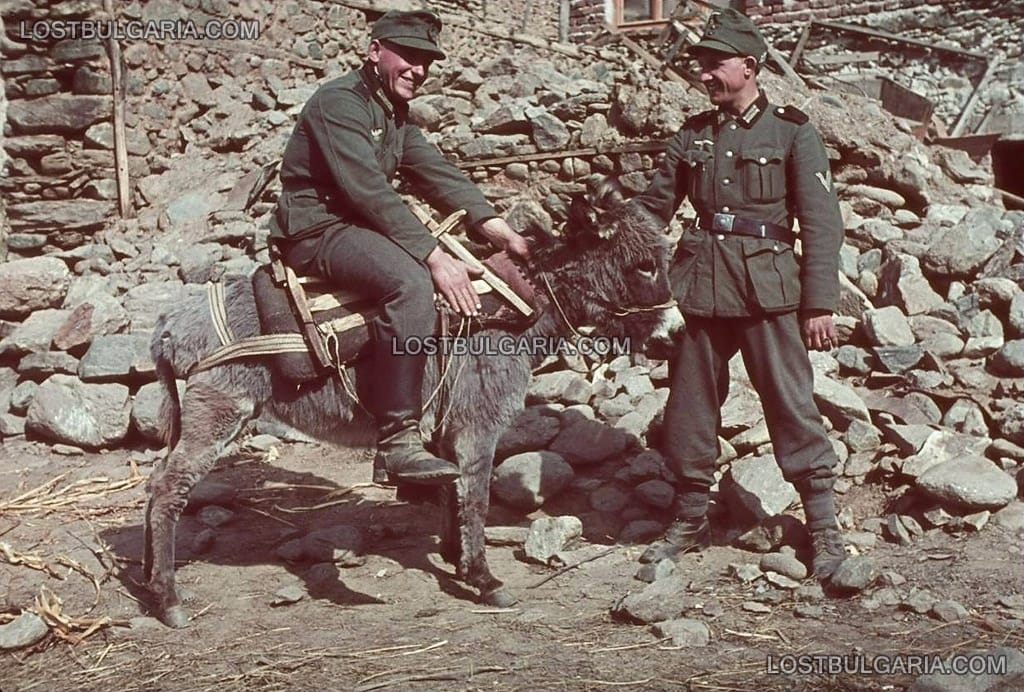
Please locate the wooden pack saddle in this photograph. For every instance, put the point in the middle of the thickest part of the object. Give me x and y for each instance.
(310, 328)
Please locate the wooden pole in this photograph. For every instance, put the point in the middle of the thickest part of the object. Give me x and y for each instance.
(965, 114)
(120, 139)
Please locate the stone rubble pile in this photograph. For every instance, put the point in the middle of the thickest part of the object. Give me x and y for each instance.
(925, 394)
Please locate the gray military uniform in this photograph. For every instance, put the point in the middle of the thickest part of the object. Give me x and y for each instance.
(740, 292)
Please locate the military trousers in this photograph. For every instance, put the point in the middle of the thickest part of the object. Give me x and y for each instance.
(363, 260)
(780, 371)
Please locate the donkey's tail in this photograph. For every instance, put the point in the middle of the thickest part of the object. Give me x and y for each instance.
(170, 408)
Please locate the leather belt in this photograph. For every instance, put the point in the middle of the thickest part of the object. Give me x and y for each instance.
(737, 225)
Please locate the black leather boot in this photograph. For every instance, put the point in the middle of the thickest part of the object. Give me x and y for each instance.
(397, 406)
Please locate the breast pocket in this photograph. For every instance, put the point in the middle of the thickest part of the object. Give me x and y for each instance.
(764, 173)
(699, 173)
(774, 276)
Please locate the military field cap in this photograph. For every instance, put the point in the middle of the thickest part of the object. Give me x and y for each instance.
(732, 32)
(417, 29)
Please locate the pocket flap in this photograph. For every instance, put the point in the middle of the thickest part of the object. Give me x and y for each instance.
(762, 155)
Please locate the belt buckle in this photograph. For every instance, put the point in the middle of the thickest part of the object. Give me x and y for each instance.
(723, 222)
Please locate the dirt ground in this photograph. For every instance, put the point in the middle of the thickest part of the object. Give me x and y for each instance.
(398, 620)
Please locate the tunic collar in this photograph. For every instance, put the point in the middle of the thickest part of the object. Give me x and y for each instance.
(749, 116)
(369, 76)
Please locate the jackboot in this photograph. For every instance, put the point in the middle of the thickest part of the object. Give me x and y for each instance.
(827, 546)
(684, 536)
(398, 406)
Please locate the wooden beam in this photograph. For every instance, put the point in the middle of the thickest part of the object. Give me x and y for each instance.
(795, 57)
(842, 58)
(874, 33)
(124, 193)
(972, 101)
(645, 55)
(632, 147)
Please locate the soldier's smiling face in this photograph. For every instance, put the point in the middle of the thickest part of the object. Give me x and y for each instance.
(728, 78)
(402, 70)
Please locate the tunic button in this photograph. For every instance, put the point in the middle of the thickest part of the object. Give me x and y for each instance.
(725, 181)
(720, 236)
(762, 160)
(732, 126)
(725, 210)
(729, 153)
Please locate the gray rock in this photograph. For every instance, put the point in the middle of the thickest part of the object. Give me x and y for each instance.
(549, 133)
(27, 285)
(967, 417)
(959, 252)
(985, 335)
(897, 531)
(341, 543)
(656, 493)
(214, 516)
(754, 489)
(550, 535)
(62, 215)
(65, 409)
(972, 482)
(684, 632)
(746, 572)
(528, 480)
(839, 402)
(532, 429)
(888, 326)
(941, 446)
(653, 571)
(589, 442)
(1011, 517)
(1011, 424)
(34, 334)
(664, 599)
(59, 113)
(609, 498)
(855, 573)
(902, 284)
(784, 564)
(145, 301)
(1008, 361)
(861, 436)
(565, 386)
(115, 356)
(145, 415)
(24, 630)
(898, 359)
(1015, 317)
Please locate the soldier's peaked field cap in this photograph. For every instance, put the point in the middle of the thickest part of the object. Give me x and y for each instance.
(732, 32)
(417, 29)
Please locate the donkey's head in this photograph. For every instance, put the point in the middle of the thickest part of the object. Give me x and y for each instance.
(609, 270)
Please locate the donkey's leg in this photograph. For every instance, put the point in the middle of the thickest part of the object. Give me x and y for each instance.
(474, 450)
(211, 419)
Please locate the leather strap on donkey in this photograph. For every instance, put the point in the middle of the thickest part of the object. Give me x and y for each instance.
(311, 329)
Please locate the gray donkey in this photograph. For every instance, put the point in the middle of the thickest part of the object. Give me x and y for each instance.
(607, 271)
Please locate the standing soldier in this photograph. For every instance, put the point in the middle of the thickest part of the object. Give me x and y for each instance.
(749, 168)
(339, 216)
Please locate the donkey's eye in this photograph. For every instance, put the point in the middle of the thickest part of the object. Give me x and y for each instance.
(647, 268)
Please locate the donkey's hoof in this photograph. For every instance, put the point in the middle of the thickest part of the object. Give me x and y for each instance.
(499, 598)
(176, 617)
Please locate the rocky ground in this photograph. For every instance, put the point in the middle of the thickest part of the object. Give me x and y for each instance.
(303, 575)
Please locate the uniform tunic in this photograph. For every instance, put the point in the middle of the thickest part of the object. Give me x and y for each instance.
(348, 146)
(742, 293)
(339, 214)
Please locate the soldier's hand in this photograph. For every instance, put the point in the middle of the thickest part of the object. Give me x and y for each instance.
(818, 330)
(501, 235)
(452, 278)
